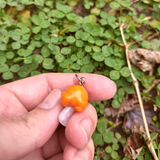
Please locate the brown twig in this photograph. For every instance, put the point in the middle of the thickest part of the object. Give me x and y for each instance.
(152, 70)
(150, 146)
(155, 82)
(100, 153)
(154, 137)
(152, 36)
(116, 125)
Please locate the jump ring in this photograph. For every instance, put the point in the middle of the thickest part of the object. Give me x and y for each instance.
(82, 80)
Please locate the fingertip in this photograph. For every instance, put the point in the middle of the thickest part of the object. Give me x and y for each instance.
(75, 135)
(81, 126)
(73, 153)
(108, 87)
(113, 88)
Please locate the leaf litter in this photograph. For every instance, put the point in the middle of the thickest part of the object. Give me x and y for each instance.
(143, 58)
(133, 122)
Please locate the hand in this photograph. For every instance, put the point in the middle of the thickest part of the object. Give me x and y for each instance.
(29, 109)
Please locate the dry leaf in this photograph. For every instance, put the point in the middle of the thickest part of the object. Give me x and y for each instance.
(136, 152)
(110, 112)
(143, 58)
(127, 105)
(134, 118)
(12, 12)
(140, 130)
(24, 16)
(134, 145)
(25, 13)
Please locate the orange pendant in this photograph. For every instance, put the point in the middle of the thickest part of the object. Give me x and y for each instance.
(75, 96)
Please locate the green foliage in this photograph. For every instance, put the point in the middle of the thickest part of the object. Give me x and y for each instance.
(102, 137)
(158, 101)
(40, 36)
(144, 154)
(156, 146)
(99, 106)
(147, 81)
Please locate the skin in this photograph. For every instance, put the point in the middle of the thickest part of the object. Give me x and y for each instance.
(29, 110)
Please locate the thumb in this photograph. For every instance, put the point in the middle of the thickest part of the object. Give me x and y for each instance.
(21, 135)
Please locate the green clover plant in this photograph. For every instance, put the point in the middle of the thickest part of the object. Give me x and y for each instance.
(41, 36)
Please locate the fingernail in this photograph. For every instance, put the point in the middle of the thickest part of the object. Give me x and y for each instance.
(65, 115)
(82, 155)
(51, 100)
(86, 127)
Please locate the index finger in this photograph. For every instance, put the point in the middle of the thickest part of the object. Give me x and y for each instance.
(32, 91)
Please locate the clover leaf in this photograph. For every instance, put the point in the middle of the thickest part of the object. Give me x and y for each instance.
(108, 136)
(95, 32)
(48, 63)
(87, 27)
(78, 20)
(58, 14)
(7, 75)
(125, 72)
(70, 39)
(16, 45)
(2, 59)
(75, 66)
(126, 3)
(4, 67)
(114, 5)
(86, 59)
(102, 125)
(71, 16)
(28, 60)
(97, 139)
(45, 51)
(109, 61)
(74, 28)
(146, 44)
(23, 72)
(2, 4)
(15, 68)
(88, 49)
(36, 29)
(116, 103)
(10, 55)
(39, 2)
(45, 24)
(79, 43)
(63, 8)
(108, 149)
(114, 75)
(87, 68)
(36, 20)
(98, 56)
(65, 50)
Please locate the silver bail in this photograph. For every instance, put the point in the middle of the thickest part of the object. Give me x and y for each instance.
(82, 80)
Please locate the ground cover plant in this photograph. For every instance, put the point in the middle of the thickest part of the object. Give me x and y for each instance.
(40, 36)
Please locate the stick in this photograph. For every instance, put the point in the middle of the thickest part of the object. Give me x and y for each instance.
(135, 82)
(116, 125)
(155, 82)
